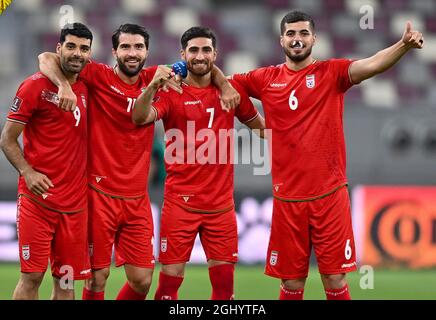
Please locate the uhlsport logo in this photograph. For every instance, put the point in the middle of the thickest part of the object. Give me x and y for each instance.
(4, 4)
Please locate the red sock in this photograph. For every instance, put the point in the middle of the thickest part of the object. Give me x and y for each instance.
(338, 294)
(168, 287)
(221, 278)
(286, 294)
(91, 295)
(127, 293)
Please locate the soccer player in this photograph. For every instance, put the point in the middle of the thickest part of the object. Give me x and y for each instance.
(118, 162)
(198, 196)
(52, 212)
(303, 103)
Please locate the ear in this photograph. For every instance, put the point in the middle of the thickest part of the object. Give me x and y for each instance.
(58, 48)
(215, 54)
(182, 54)
(114, 53)
(314, 39)
(282, 41)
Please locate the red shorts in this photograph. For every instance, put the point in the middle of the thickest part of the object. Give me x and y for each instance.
(296, 226)
(44, 234)
(179, 228)
(126, 224)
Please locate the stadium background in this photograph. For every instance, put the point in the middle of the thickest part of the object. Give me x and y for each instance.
(389, 123)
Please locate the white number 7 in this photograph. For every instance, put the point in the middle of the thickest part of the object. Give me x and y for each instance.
(212, 112)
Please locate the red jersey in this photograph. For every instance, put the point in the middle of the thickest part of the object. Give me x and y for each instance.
(55, 142)
(304, 110)
(199, 148)
(119, 150)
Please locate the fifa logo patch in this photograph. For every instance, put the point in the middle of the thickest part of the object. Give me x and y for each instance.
(273, 258)
(25, 252)
(163, 245)
(310, 81)
(16, 104)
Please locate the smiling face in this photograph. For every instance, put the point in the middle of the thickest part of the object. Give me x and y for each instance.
(131, 53)
(298, 40)
(74, 53)
(199, 55)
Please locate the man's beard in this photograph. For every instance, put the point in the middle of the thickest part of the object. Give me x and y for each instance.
(66, 67)
(297, 57)
(130, 72)
(199, 73)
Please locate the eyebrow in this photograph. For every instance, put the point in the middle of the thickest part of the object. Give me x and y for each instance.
(302, 30)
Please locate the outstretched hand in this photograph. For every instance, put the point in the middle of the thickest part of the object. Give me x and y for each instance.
(412, 38)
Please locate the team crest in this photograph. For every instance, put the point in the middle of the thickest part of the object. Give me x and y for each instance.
(4, 4)
(310, 81)
(273, 258)
(163, 245)
(25, 252)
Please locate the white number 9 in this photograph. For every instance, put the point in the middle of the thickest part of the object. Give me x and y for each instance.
(76, 114)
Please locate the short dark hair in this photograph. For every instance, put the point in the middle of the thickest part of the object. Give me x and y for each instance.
(296, 16)
(76, 29)
(132, 29)
(197, 32)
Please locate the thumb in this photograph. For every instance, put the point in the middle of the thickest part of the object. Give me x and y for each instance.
(408, 26)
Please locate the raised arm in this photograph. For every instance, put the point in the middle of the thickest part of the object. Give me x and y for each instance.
(230, 98)
(143, 113)
(49, 65)
(37, 182)
(366, 68)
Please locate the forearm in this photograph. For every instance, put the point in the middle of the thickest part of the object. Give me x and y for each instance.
(49, 65)
(218, 78)
(14, 154)
(142, 113)
(383, 60)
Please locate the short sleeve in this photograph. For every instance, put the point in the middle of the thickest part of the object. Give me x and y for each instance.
(246, 111)
(253, 82)
(26, 101)
(161, 105)
(90, 72)
(341, 68)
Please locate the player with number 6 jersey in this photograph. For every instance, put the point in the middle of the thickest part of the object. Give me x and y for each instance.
(303, 101)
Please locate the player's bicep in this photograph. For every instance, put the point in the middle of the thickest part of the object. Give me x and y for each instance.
(361, 70)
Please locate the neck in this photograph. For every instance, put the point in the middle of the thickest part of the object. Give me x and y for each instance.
(71, 77)
(199, 81)
(296, 66)
(127, 79)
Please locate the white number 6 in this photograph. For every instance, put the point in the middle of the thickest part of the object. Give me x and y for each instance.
(348, 250)
(293, 101)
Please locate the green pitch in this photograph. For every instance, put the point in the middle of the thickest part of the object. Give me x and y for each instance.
(252, 284)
